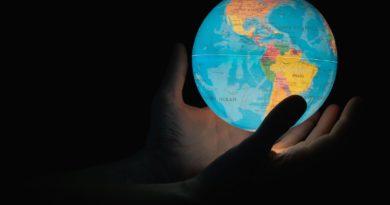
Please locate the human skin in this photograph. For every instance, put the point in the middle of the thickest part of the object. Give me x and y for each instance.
(192, 156)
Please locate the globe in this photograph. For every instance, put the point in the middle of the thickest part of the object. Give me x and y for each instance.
(249, 55)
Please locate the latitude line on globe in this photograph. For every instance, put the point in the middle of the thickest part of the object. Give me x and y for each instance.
(245, 50)
(314, 59)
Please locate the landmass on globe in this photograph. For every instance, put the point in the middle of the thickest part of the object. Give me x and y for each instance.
(249, 55)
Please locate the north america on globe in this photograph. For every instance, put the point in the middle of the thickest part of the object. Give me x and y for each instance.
(249, 55)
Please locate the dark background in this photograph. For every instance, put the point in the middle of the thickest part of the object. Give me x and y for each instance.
(90, 73)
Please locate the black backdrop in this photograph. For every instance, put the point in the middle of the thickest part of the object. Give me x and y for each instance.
(91, 72)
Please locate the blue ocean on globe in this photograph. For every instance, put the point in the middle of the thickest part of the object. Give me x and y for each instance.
(249, 55)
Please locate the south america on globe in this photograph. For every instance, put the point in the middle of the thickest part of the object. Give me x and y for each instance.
(249, 55)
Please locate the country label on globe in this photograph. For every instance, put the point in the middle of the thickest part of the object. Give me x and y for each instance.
(249, 55)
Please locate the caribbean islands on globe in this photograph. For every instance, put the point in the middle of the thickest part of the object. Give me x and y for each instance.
(249, 55)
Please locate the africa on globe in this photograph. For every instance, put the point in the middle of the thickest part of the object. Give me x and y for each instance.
(249, 55)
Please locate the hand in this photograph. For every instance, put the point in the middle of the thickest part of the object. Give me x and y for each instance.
(275, 151)
(183, 139)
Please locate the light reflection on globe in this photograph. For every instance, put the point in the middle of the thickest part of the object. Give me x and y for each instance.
(249, 55)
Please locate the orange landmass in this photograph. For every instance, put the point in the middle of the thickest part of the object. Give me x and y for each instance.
(331, 39)
(238, 11)
(271, 52)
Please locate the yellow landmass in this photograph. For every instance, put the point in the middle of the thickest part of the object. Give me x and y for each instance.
(238, 11)
(293, 76)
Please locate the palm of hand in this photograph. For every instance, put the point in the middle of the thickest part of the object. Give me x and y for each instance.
(185, 138)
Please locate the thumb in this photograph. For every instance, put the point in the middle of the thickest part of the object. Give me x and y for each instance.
(252, 155)
(173, 82)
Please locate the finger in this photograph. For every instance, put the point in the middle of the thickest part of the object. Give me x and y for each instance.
(350, 113)
(296, 134)
(346, 123)
(277, 123)
(326, 122)
(328, 143)
(174, 79)
(254, 151)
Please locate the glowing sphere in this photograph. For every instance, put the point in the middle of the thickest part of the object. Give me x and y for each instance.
(249, 55)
